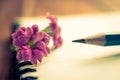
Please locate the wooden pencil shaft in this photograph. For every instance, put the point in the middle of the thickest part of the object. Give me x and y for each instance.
(102, 39)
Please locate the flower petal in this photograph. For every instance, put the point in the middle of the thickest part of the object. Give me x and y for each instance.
(46, 38)
(35, 28)
(19, 56)
(23, 39)
(38, 54)
(52, 18)
(33, 60)
(39, 36)
(16, 43)
(17, 33)
(48, 50)
(40, 45)
(45, 52)
(29, 32)
(25, 53)
(23, 29)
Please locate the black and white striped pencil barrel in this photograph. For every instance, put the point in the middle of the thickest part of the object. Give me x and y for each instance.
(26, 71)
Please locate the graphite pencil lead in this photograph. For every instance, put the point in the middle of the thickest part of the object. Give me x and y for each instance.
(79, 40)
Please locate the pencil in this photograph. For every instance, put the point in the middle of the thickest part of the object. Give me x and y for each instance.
(102, 39)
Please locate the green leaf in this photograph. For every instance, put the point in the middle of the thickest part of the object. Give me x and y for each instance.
(32, 45)
(12, 48)
(50, 34)
(48, 30)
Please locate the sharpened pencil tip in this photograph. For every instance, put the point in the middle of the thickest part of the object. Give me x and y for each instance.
(79, 41)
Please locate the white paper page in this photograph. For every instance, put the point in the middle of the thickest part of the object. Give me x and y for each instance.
(77, 61)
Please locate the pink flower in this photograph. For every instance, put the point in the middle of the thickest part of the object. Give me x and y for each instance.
(32, 44)
(20, 38)
(36, 55)
(24, 53)
(57, 39)
(35, 28)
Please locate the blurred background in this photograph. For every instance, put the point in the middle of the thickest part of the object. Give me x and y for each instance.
(9, 9)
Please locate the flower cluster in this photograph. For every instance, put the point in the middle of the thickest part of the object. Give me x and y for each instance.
(31, 44)
(56, 31)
